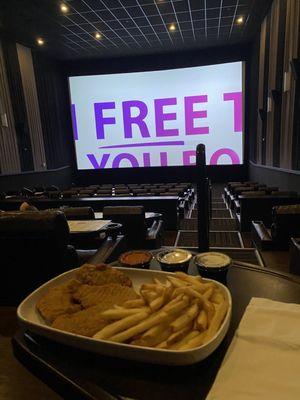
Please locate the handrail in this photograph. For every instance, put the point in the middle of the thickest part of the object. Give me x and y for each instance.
(202, 199)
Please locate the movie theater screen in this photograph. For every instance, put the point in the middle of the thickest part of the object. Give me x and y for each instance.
(156, 118)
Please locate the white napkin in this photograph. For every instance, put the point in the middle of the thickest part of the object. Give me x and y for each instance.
(263, 360)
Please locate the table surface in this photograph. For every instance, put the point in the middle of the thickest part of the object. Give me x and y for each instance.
(148, 215)
(83, 375)
(87, 226)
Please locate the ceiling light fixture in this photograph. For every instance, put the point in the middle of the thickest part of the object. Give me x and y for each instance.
(64, 8)
(98, 35)
(172, 27)
(40, 41)
(240, 20)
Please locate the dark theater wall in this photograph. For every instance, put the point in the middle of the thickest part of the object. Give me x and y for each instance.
(60, 177)
(18, 103)
(54, 109)
(275, 115)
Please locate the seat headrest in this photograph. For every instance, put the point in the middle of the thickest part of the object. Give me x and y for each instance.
(117, 210)
(79, 212)
(289, 209)
(33, 221)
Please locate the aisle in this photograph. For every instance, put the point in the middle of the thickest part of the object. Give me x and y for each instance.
(223, 233)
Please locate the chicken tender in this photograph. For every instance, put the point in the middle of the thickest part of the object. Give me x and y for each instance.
(106, 295)
(101, 274)
(58, 301)
(86, 322)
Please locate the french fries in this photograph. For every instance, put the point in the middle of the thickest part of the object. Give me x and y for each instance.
(181, 313)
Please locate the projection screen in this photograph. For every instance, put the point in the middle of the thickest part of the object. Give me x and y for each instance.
(156, 118)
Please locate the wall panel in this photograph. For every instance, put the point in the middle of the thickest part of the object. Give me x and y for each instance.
(278, 119)
(261, 76)
(32, 107)
(54, 105)
(9, 153)
(272, 67)
(18, 103)
(287, 110)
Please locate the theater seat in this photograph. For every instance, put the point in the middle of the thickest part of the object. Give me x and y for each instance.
(295, 256)
(54, 194)
(286, 223)
(137, 235)
(78, 213)
(67, 194)
(86, 193)
(52, 188)
(34, 248)
(256, 193)
(26, 192)
(284, 193)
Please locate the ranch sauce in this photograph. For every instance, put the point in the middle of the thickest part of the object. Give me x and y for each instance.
(213, 260)
(176, 257)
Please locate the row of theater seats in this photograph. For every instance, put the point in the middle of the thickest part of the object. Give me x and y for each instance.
(105, 190)
(254, 201)
(274, 217)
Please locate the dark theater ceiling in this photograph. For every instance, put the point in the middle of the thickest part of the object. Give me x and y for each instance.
(68, 29)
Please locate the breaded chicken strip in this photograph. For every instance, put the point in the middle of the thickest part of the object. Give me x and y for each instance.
(101, 274)
(86, 322)
(96, 299)
(106, 295)
(58, 301)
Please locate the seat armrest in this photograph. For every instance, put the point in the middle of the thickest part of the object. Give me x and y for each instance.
(261, 236)
(261, 230)
(294, 266)
(71, 258)
(109, 251)
(155, 230)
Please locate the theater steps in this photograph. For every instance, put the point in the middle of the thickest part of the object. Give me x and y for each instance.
(224, 235)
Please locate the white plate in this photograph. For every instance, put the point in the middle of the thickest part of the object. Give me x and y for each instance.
(30, 319)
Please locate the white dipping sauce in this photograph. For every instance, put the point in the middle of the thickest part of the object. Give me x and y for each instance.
(176, 257)
(213, 260)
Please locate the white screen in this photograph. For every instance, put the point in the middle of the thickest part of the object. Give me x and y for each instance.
(153, 119)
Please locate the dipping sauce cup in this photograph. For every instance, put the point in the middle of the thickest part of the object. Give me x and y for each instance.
(172, 260)
(213, 265)
(136, 259)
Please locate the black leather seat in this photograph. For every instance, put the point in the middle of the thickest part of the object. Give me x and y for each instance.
(286, 223)
(132, 218)
(78, 213)
(295, 256)
(34, 247)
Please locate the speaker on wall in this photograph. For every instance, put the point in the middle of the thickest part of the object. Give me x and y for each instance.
(295, 67)
(262, 114)
(275, 95)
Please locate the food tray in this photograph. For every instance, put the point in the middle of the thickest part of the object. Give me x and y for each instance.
(30, 319)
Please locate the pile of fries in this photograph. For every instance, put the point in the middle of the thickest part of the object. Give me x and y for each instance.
(182, 313)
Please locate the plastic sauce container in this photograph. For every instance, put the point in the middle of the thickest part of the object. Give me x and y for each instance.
(174, 260)
(213, 265)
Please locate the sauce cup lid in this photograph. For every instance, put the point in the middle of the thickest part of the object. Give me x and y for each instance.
(135, 257)
(212, 259)
(174, 256)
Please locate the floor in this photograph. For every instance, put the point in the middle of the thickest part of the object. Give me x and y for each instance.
(16, 382)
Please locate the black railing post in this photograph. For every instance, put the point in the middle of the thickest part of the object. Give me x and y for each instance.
(202, 199)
